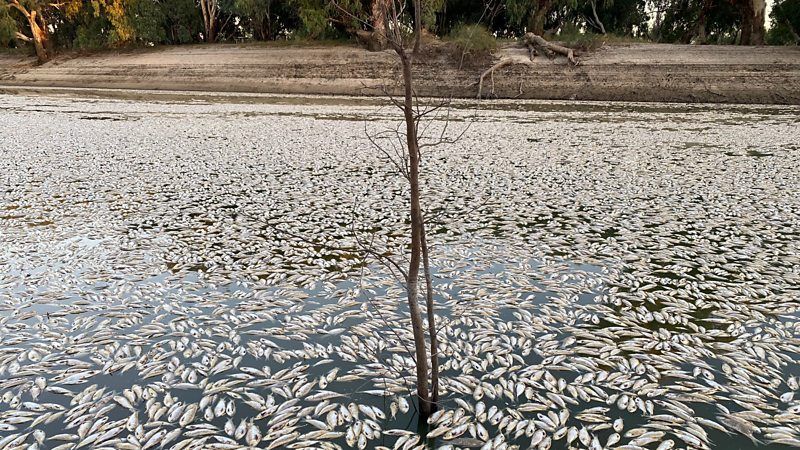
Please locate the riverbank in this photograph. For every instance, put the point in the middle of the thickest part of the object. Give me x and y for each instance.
(621, 72)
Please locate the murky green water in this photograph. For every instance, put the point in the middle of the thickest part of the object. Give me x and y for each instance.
(594, 262)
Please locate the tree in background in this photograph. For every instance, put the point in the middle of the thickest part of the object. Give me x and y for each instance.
(323, 19)
(258, 17)
(210, 12)
(594, 20)
(49, 24)
(698, 21)
(8, 27)
(35, 14)
(97, 23)
(785, 18)
(619, 17)
(532, 15)
(753, 17)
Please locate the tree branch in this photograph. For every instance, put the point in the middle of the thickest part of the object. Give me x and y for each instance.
(22, 37)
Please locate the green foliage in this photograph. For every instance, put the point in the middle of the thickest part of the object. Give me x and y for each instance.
(92, 33)
(148, 21)
(256, 15)
(619, 17)
(323, 19)
(518, 12)
(474, 39)
(314, 22)
(785, 18)
(571, 36)
(8, 27)
(681, 17)
(183, 21)
(430, 10)
(104, 23)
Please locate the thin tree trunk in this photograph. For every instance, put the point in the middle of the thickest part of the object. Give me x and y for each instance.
(268, 34)
(745, 10)
(702, 37)
(416, 238)
(596, 18)
(429, 305)
(378, 25)
(204, 13)
(792, 31)
(417, 25)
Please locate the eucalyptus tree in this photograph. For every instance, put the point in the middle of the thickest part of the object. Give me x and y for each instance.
(785, 18)
(209, 10)
(753, 19)
(35, 14)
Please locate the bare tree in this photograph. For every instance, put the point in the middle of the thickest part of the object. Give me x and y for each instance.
(411, 160)
(407, 158)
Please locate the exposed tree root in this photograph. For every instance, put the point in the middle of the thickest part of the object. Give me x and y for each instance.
(502, 63)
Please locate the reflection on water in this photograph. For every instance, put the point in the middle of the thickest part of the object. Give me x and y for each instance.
(189, 278)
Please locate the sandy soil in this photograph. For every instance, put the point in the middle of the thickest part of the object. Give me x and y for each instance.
(632, 72)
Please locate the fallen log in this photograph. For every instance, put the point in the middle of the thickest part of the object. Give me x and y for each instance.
(533, 40)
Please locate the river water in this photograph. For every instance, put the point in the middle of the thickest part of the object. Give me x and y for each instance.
(191, 274)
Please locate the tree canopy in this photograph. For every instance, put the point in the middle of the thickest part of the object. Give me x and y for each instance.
(109, 23)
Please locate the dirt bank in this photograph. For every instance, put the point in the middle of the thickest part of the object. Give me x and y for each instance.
(631, 72)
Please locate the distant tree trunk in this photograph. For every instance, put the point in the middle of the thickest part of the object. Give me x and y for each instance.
(752, 26)
(759, 17)
(39, 35)
(539, 16)
(702, 37)
(270, 30)
(597, 20)
(792, 31)
(378, 19)
(746, 23)
(262, 28)
(702, 23)
(208, 8)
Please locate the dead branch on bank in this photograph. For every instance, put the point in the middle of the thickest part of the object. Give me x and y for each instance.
(502, 63)
(534, 43)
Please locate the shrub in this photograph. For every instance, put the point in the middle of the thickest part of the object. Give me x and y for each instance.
(8, 28)
(474, 39)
